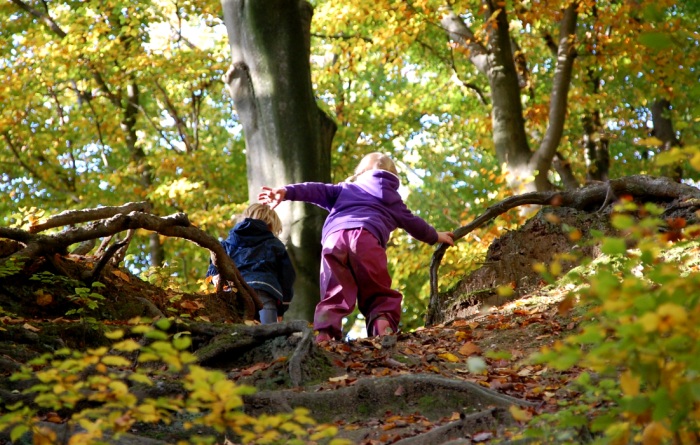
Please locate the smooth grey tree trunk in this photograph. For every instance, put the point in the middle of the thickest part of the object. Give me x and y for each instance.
(288, 137)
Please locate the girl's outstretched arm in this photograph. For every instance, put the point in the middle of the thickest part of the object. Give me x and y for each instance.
(270, 196)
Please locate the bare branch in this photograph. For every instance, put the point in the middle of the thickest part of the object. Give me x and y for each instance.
(179, 123)
(176, 225)
(81, 216)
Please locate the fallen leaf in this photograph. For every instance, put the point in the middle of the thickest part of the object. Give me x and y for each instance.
(339, 379)
(399, 391)
(519, 414)
(121, 275)
(29, 327)
(449, 357)
(482, 436)
(43, 298)
(191, 305)
(469, 348)
(525, 371)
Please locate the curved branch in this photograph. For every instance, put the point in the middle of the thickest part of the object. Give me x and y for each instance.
(586, 198)
(45, 18)
(81, 216)
(177, 225)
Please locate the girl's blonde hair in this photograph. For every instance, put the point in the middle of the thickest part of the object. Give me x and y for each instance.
(265, 214)
(374, 161)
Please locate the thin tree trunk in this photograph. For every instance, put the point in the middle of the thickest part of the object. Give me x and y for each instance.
(663, 131)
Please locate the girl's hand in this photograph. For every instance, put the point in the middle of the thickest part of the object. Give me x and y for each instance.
(270, 196)
(446, 237)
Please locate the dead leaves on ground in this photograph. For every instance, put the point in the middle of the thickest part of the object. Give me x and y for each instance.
(502, 341)
(446, 350)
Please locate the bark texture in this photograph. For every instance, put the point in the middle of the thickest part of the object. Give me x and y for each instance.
(288, 137)
(496, 59)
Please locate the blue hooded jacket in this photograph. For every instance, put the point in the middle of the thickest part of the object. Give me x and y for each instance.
(262, 260)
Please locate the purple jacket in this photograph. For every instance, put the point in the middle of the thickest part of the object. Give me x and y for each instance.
(371, 202)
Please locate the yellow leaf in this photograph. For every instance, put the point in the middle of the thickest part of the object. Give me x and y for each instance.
(629, 383)
(695, 161)
(650, 142)
(449, 357)
(649, 321)
(555, 268)
(654, 434)
(115, 334)
(675, 312)
(575, 235)
(127, 346)
(44, 436)
(519, 414)
(505, 290)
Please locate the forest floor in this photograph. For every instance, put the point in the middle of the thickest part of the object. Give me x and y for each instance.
(460, 351)
(491, 349)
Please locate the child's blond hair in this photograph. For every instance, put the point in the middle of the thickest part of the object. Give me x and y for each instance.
(374, 161)
(265, 214)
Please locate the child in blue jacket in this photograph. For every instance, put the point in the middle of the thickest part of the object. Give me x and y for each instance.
(262, 260)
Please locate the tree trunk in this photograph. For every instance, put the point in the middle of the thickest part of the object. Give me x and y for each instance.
(663, 131)
(495, 60)
(596, 150)
(509, 135)
(288, 137)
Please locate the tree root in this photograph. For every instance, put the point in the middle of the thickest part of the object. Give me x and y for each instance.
(489, 419)
(434, 396)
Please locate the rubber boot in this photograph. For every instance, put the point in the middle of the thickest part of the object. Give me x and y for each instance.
(381, 326)
(323, 336)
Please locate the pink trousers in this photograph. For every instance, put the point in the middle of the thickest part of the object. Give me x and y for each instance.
(354, 271)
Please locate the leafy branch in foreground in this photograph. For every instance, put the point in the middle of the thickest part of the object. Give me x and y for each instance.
(97, 397)
(641, 349)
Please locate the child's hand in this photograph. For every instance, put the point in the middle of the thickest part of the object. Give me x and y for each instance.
(446, 237)
(271, 197)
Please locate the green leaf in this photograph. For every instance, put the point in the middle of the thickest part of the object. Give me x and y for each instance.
(18, 432)
(662, 404)
(163, 324)
(181, 343)
(614, 246)
(656, 40)
(623, 221)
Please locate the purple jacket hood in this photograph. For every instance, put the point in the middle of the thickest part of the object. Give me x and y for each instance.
(371, 202)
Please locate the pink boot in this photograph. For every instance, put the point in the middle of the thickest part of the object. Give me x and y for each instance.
(323, 336)
(381, 326)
